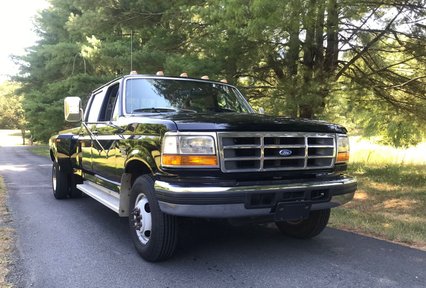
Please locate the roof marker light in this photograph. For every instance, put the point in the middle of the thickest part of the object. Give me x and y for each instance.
(184, 74)
(160, 73)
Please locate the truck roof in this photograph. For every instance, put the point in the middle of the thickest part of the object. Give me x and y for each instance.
(150, 76)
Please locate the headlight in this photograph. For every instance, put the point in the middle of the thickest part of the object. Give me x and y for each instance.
(342, 148)
(189, 150)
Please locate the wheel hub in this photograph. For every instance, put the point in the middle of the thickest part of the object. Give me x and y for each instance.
(142, 218)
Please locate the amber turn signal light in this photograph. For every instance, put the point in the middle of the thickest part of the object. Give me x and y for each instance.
(189, 160)
(342, 157)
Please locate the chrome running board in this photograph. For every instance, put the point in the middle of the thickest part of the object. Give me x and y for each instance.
(101, 194)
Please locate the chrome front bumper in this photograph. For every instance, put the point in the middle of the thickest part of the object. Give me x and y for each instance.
(228, 202)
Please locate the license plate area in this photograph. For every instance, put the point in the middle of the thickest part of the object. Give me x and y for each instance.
(294, 211)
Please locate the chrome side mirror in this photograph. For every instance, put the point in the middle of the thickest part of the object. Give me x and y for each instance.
(72, 109)
(261, 110)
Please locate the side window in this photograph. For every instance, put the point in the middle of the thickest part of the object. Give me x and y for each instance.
(111, 99)
(95, 106)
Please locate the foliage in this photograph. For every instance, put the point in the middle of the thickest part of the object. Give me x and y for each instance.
(295, 57)
(359, 109)
(12, 114)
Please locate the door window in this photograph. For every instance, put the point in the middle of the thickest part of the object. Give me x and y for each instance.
(95, 106)
(109, 105)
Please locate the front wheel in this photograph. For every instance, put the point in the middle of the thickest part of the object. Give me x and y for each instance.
(154, 233)
(307, 228)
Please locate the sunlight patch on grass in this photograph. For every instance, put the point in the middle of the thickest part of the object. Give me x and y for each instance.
(383, 186)
(367, 151)
(398, 203)
(360, 195)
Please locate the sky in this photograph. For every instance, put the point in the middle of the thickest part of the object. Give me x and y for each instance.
(16, 31)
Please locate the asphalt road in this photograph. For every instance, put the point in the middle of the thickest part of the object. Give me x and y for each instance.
(80, 243)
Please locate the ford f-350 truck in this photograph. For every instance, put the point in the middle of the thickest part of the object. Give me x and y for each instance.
(156, 148)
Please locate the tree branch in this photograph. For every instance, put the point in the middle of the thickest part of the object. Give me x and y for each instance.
(367, 47)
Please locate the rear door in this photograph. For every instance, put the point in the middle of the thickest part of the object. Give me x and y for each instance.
(86, 135)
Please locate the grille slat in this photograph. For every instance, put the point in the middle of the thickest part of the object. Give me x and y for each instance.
(280, 158)
(257, 152)
(242, 147)
(242, 158)
(320, 157)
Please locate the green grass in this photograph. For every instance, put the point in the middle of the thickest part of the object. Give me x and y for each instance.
(6, 237)
(391, 199)
(41, 150)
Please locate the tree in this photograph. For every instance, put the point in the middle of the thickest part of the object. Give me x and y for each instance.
(12, 114)
(299, 55)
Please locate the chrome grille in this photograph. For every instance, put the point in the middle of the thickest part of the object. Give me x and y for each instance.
(254, 151)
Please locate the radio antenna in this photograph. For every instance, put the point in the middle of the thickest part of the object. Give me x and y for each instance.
(131, 50)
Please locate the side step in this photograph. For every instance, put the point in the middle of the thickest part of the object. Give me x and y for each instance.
(101, 194)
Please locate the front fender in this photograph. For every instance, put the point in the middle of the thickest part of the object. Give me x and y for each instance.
(63, 150)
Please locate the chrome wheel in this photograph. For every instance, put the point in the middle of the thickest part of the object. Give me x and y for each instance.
(142, 218)
(153, 233)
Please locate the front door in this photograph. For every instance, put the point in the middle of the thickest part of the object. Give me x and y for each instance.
(106, 135)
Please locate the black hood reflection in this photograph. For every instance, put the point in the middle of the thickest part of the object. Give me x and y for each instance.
(248, 122)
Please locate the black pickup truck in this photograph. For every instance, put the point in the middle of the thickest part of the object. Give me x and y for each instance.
(156, 148)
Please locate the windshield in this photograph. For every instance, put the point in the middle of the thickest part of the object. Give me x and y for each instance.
(168, 95)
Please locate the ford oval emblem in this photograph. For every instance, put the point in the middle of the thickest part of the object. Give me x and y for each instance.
(285, 152)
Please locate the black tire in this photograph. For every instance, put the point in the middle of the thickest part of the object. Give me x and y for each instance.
(307, 228)
(60, 182)
(154, 233)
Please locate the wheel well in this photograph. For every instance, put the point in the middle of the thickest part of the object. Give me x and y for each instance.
(137, 168)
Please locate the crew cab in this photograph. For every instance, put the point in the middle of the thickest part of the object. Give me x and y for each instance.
(156, 148)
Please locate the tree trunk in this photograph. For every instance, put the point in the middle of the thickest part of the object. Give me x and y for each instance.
(306, 109)
(332, 50)
(319, 39)
(23, 135)
(292, 57)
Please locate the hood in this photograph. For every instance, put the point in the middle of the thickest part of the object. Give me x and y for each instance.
(249, 123)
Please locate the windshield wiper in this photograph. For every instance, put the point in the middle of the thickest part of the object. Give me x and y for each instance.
(162, 110)
(155, 110)
(225, 110)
